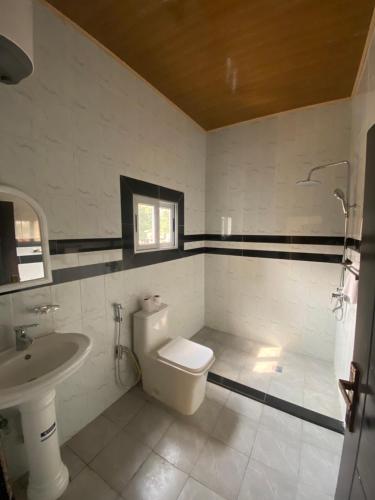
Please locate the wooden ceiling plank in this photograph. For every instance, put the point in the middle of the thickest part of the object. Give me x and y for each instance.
(283, 53)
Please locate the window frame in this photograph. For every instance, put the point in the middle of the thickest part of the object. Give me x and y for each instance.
(157, 204)
(130, 187)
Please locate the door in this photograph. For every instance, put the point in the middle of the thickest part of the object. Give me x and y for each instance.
(357, 471)
(8, 245)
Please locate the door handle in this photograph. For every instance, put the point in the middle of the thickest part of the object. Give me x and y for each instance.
(350, 392)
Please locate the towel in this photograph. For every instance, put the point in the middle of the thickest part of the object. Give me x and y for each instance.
(350, 288)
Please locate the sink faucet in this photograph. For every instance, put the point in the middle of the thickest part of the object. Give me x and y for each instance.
(22, 339)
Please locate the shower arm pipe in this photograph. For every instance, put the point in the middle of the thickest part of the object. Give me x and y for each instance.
(345, 163)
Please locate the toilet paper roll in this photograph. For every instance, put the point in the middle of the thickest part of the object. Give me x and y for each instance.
(148, 304)
(157, 300)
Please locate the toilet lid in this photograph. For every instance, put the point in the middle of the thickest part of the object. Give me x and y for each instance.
(186, 354)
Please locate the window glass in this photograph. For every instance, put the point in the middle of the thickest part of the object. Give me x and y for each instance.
(154, 224)
(166, 223)
(146, 224)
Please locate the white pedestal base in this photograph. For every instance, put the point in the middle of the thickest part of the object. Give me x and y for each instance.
(49, 476)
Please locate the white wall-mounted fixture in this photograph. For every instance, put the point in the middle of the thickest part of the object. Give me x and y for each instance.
(28, 380)
(16, 40)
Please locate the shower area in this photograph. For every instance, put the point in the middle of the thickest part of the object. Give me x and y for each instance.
(279, 270)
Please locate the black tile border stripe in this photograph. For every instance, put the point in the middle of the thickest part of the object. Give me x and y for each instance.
(275, 254)
(63, 246)
(311, 416)
(256, 238)
(65, 275)
(30, 259)
(354, 244)
(58, 247)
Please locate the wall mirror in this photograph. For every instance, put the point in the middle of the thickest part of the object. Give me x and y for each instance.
(24, 248)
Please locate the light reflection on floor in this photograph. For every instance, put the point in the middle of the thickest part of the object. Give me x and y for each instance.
(300, 379)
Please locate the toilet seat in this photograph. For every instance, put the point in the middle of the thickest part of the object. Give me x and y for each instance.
(187, 355)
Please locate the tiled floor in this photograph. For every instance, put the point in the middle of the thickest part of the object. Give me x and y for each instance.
(232, 448)
(300, 379)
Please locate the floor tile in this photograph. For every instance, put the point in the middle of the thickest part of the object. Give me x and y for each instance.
(225, 369)
(220, 468)
(254, 379)
(271, 448)
(149, 424)
(244, 406)
(239, 343)
(235, 357)
(92, 438)
(319, 463)
(235, 430)
(200, 336)
(72, 461)
(181, 445)
(88, 485)
(120, 460)
(294, 377)
(196, 491)
(263, 483)
(205, 417)
(285, 424)
(215, 346)
(322, 438)
(157, 479)
(308, 492)
(125, 408)
(221, 337)
(289, 389)
(322, 403)
(216, 393)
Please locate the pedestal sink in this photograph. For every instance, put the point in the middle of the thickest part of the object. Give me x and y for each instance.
(27, 380)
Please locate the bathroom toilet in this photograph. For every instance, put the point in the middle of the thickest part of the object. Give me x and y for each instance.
(174, 370)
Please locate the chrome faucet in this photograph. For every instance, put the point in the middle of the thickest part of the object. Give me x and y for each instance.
(23, 341)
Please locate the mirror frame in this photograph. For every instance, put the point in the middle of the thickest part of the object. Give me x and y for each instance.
(9, 190)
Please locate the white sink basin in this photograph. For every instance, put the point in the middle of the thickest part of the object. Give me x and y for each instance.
(28, 379)
(45, 363)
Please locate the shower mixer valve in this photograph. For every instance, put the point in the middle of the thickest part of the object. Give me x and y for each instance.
(119, 313)
(120, 351)
(338, 294)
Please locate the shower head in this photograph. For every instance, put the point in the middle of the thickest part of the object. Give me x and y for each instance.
(337, 193)
(313, 182)
(308, 182)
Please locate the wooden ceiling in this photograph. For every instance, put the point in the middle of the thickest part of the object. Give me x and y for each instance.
(225, 61)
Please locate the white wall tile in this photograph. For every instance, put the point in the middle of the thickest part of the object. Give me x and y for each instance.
(78, 123)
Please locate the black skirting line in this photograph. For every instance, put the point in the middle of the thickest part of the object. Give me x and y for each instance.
(311, 416)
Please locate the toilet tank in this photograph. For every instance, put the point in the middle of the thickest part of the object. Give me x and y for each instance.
(150, 330)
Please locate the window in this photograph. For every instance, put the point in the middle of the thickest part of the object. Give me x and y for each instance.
(154, 224)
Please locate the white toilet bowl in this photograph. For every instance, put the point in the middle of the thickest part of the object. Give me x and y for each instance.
(174, 370)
